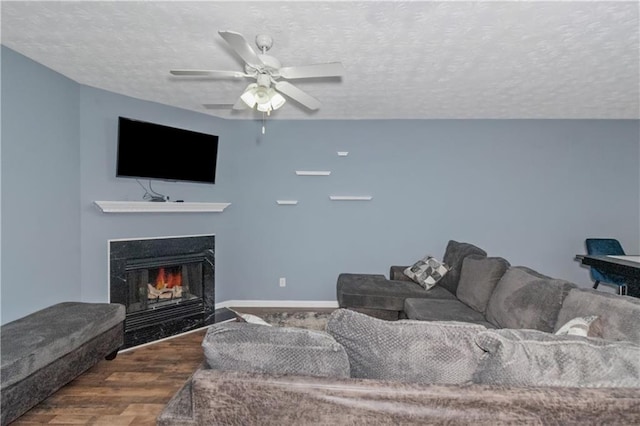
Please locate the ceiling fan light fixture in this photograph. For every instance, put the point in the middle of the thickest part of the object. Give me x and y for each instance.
(249, 95)
(264, 107)
(277, 100)
(264, 99)
(262, 95)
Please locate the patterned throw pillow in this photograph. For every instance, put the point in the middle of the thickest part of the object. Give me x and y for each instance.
(427, 271)
(589, 326)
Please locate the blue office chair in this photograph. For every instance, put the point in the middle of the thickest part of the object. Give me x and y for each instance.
(606, 246)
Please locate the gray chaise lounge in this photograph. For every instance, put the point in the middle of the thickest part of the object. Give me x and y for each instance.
(384, 298)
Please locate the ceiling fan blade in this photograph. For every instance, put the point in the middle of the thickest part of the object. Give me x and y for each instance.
(297, 95)
(333, 69)
(210, 73)
(217, 106)
(240, 105)
(242, 48)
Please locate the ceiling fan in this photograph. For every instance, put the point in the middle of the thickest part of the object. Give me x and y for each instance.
(265, 94)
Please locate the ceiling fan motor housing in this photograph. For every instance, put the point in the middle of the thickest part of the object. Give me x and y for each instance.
(264, 42)
(271, 66)
(264, 80)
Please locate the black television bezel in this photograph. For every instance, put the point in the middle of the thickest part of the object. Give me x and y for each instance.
(172, 128)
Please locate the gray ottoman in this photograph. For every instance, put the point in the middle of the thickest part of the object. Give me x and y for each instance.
(45, 350)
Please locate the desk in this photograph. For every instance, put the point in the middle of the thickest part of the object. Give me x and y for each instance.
(625, 266)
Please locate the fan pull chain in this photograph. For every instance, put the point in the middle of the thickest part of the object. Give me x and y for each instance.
(263, 123)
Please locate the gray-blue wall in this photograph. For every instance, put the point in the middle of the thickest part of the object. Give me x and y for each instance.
(528, 190)
(40, 187)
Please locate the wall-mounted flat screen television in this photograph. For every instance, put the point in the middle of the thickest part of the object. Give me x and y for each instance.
(153, 151)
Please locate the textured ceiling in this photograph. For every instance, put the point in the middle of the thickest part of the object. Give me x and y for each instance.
(402, 59)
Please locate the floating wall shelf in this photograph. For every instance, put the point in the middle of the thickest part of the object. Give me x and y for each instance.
(343, 153)
(152, 207)
(312, 173)
(287, 202)
(350, 197)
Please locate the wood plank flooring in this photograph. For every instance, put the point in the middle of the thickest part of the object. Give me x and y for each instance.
(133, 388)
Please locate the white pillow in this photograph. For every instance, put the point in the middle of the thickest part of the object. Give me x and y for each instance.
(581, 326)
(427, 271)
(253, 319)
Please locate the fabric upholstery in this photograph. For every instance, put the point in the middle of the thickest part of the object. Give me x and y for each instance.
(396, 272)
(478, 278)
(36, 340)
(443, 310)
(619, 315)
(254, 347)
(376, 292)
(523, 298)
(179, 410)
(534, 358)
(379, 313)
(47, 349)
(409, 351)
(239, 398)
(453, 257)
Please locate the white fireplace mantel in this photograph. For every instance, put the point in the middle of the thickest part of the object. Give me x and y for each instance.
(152, 207)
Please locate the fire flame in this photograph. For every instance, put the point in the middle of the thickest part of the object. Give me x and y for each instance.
(168, 279)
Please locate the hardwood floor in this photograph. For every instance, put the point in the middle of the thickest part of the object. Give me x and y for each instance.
(133, 388)
(130, 390)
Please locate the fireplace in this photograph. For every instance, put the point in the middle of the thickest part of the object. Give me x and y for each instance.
(167, 285)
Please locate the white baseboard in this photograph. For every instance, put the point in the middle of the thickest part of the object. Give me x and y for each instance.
(277, 304)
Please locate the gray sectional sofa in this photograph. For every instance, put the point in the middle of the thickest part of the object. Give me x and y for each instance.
(482, 350)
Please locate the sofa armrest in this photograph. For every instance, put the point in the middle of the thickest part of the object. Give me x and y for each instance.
(231, 397)
(397, 273)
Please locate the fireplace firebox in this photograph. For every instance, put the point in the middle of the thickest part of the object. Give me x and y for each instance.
(167, 285)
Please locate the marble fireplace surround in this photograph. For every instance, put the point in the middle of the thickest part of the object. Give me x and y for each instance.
(146, 320)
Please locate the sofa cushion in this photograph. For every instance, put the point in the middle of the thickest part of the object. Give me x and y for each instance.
(262, 349)
(619, 315)
(376, 292)
(478, 278)
(534, 358)
(406, 350)
(453, 257)
(427, 271)
(442, 310)
(523, 298)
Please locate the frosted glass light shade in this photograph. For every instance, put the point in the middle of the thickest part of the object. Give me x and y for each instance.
(264, 99)
(277, 100)
(248, 97)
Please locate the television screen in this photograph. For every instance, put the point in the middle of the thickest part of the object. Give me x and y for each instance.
(153, 151)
